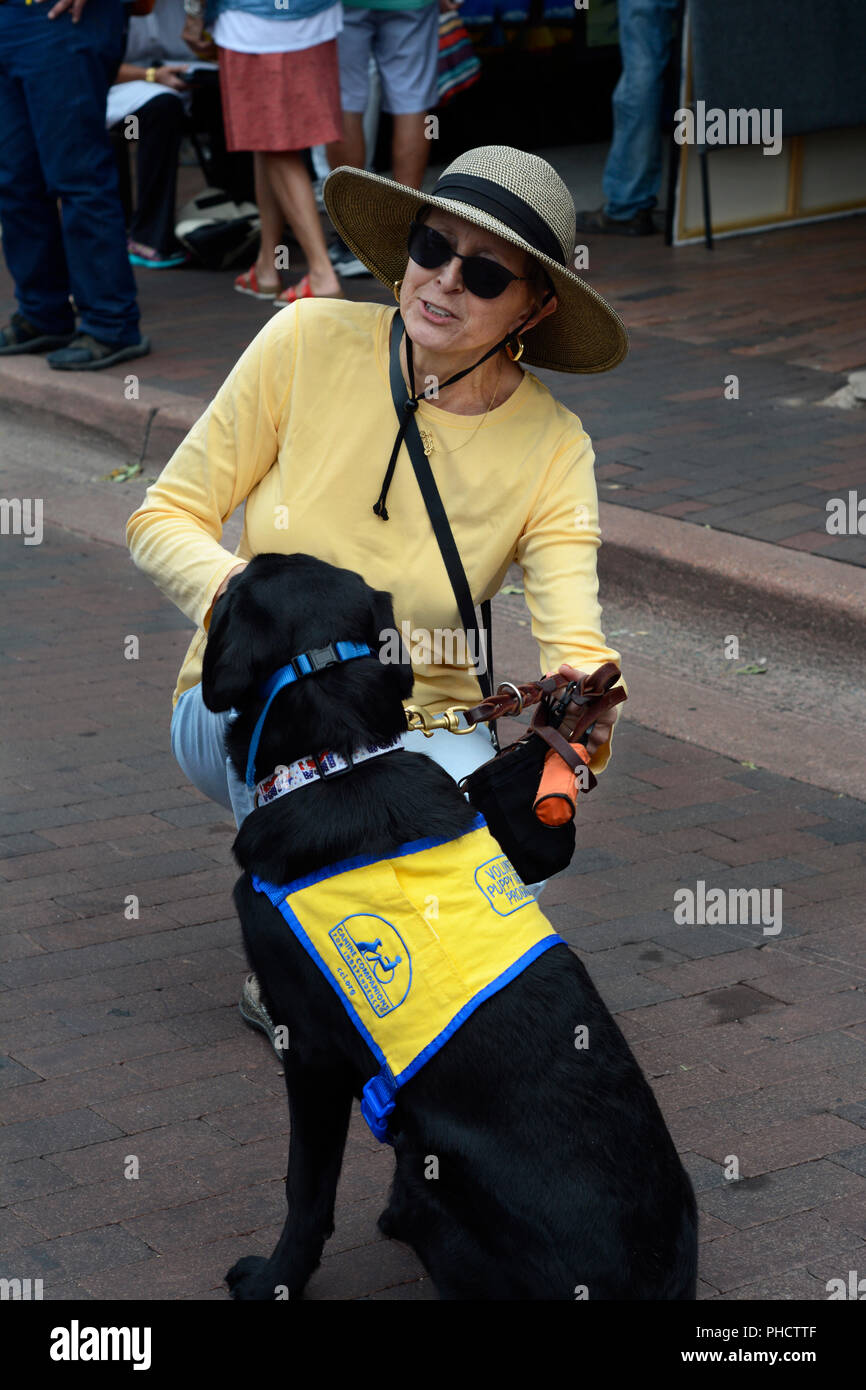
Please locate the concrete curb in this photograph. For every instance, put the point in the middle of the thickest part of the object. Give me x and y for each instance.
(699, 565)
(147, 429)
(690, 563)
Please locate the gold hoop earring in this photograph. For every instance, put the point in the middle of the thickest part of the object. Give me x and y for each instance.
(515, 356)
(397, 284)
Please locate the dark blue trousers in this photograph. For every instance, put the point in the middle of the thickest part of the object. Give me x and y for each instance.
(54, 79)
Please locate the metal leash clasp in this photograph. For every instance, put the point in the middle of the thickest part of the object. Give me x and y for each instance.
(420, 720)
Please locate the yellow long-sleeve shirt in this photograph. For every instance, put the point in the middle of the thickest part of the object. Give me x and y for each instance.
(301, 432)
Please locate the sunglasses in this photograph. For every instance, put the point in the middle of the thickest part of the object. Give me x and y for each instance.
(481, 276)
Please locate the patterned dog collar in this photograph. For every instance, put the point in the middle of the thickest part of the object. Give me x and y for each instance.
(317, 767)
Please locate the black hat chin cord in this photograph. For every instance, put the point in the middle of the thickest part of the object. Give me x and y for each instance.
(411, 404)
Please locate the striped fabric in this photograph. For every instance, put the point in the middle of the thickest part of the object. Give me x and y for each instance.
(459, 65)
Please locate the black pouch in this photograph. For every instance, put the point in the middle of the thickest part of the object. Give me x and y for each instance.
(503, 790)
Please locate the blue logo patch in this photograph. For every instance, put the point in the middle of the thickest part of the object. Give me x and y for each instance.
(501, 886)
(378, 959)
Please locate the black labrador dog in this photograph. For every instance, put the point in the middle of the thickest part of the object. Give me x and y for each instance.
(557, 1178)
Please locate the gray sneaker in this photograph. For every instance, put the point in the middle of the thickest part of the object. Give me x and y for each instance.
(344, 260)
(253, 1011)
(597, 220)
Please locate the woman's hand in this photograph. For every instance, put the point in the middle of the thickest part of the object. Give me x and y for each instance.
(231, 574)
(601, 729)
(206, 621)
(194, 37)
(171, 75)
(62, 6)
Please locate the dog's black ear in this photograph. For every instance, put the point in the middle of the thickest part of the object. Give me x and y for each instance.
(227, 665)
(387, 640)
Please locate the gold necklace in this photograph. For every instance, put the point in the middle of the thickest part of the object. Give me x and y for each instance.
(427, 438)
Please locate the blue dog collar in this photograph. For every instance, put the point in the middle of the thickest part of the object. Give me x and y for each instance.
(305, 664)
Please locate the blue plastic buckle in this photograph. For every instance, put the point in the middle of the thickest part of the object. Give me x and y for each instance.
(377, 1102)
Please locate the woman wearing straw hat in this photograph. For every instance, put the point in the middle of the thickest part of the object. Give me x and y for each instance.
(303, 432)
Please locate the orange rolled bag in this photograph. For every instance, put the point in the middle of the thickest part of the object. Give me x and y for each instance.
(566, 726)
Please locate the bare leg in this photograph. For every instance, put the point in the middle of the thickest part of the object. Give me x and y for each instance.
(349, 150)
(294, 193)
(410, 149)
(273, 223)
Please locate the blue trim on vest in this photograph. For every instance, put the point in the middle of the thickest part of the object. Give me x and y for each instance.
(302, 665)
(380, 1093)
(378, 1097)
(377, 1102)
(291, 920)
(515, 969)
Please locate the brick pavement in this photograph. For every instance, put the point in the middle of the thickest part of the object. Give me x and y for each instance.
(783, 311)
(121, 1037)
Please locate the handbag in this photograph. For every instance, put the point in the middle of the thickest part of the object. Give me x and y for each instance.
(504, 788)
(217, 231)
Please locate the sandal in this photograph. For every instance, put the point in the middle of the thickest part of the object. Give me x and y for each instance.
(20, 335)
(147, 257)
(302, 290)
(248, 283)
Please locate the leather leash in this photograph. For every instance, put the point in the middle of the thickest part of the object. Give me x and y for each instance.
(592, 696)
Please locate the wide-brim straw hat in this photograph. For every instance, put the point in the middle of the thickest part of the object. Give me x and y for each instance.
(522, 199)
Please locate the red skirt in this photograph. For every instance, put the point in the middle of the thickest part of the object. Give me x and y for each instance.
(281, 101)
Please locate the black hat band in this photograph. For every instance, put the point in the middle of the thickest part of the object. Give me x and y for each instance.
(499, 202)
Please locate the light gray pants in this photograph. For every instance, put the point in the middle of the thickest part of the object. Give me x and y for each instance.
(198, 744)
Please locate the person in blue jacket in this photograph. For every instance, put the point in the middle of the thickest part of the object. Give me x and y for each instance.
(63, 230)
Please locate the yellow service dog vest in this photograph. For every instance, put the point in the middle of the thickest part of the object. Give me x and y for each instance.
(412, 944)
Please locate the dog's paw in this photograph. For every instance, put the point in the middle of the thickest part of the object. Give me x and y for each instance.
(245, 1279)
